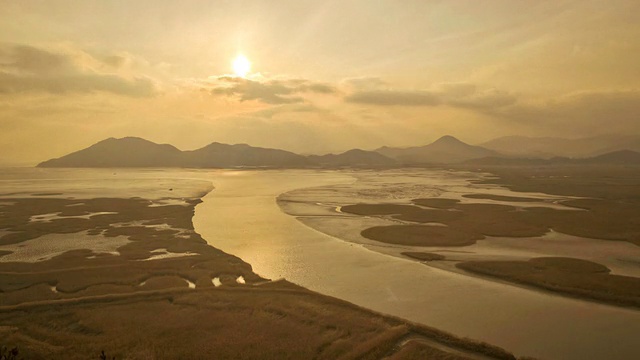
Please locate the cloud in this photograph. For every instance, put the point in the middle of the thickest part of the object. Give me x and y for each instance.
(26, 69)
(457, 90)
(488, 99)
(116, 60)
(365, 83)
(394, 98)
(621, 104)
(362, 90)
(319, 88)
(459, 95)
(581, 112)
(269, 91)
(32, 60)
(285, 108)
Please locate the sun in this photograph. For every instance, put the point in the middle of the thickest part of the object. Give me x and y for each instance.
(241, 66)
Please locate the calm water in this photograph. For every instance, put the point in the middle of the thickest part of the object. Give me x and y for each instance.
(153, 184)
(242, 217)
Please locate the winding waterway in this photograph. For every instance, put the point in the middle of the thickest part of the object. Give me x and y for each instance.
(241, 217)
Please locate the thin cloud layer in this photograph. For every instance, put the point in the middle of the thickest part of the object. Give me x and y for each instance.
(364, 83)
(394, 98)
(582, 112)
(460, 95)
(286, 108)
(25, 69)
(403, 75)
(273, 92)
(489, 99)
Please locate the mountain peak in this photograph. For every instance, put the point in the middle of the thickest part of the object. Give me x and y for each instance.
(447, 139)
(128, 141)
(126, 138)
(122, 152)
(446, 149)
(353, 157)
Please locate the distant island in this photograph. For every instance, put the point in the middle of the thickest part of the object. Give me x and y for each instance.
(138, 152)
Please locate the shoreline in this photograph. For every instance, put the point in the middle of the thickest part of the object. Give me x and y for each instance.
(246, 222)
(276, 310)
(411, 216)
(389, 285)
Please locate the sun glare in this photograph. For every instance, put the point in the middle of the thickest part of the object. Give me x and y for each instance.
(241, 65)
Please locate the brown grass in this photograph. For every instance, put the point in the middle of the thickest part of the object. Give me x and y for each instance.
(613, 192)
(276, 322)
(420, 235)
(466, 223)
(500, 197)
(415, 350)
(596, 181)
(611, 212)
(439, 203)
(575, 277)
(101, 305)
(423, 256)
(615, 216)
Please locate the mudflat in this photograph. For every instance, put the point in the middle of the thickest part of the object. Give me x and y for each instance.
(162, 292)
(598, 202)
(574, 277)
(423, 256)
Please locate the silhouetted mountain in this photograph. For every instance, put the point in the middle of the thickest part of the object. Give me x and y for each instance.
(125, 152)
(622, 157)
(137, 152)
(547, 147)
(447, 149)
(515, 161)
(355, 157)
(219, 155)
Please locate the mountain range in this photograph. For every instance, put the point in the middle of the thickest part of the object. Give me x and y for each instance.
(354, 157)
(125, 152)
(549, 147)
(138, 152)
(447, 149)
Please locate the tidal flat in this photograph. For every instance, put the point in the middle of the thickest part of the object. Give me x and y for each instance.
(87, 266)
(180, 249)
(482, 206)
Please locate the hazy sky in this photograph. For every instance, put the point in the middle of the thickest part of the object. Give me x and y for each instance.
(326, 75)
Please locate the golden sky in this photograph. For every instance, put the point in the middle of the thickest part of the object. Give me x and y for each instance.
(326, 75)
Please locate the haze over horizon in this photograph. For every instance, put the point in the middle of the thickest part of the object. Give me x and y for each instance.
(324, 76)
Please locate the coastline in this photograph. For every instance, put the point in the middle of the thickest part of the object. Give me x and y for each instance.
(560, 306)
(428, 297)
(118, 306)
(405, 231)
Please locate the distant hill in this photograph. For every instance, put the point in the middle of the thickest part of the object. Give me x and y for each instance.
(514, 161)
(125, 152)
(548, 147)
(137, 152)
(355, 157)
(447, 149)
(217, 155)
(622, 157)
